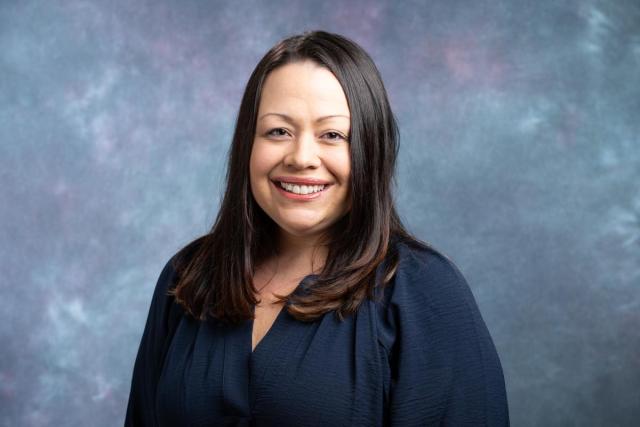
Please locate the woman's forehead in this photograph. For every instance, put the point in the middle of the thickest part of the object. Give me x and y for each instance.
(303, 86)
(293, 119)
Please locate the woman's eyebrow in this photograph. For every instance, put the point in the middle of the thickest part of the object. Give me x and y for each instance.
(291, 120)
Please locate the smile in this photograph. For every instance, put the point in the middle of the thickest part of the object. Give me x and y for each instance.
(300, 191)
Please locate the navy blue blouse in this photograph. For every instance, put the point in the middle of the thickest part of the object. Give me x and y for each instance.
(420, 356)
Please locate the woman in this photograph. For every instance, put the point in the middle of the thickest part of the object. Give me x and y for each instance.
(308, 303)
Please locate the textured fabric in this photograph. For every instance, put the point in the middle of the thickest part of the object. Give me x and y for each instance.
(420, 356)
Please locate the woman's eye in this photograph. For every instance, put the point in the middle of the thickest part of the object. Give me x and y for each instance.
(283, 132)
(335, 135)
(275, 132)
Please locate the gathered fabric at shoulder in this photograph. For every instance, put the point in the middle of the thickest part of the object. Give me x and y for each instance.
(444, 366)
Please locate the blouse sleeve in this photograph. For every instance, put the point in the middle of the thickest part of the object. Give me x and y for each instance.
(148, 363)
(444, 366)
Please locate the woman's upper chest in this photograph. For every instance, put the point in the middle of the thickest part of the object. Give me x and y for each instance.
(268, 307)
(265, 315)
(326, 372)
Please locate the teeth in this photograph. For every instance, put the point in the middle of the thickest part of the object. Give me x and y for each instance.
(301, 189)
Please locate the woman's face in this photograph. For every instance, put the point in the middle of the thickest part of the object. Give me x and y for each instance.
(300, 162)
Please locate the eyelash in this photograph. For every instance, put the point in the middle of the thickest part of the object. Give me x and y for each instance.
(270, 133)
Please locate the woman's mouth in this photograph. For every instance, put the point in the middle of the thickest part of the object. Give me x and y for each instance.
(300, 191)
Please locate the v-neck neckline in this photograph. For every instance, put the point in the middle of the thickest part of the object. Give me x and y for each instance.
(273, 329)
(269, 331)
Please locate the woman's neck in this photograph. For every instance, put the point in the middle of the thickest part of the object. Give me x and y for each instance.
(301, 253)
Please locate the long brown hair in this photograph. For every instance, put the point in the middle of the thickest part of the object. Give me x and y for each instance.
(215, 271)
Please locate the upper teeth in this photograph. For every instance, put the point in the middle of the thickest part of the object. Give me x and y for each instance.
(301, 189)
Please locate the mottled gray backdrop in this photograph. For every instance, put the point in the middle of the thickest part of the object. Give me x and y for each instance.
(520, 159)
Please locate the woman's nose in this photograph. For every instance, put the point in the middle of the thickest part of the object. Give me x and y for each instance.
(303, 153)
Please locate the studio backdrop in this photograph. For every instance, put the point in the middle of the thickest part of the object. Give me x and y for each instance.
(519, 159)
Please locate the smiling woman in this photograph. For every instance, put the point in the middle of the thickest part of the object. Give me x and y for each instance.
(288, 169)
(308, 303)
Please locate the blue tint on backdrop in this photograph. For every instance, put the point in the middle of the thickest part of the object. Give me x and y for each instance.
(520, 159)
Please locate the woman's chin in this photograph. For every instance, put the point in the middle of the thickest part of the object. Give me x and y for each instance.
(302, 229)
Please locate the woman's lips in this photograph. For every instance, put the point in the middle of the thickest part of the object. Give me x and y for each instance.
(294, 196)
(301, 180)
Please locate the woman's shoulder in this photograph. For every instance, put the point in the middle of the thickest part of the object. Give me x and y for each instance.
(427, 275)
(430, 304)
(429, 293)
(163, 300)
(180, 259)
